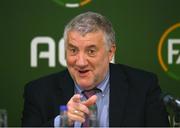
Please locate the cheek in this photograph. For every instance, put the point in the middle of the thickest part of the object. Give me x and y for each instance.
(70, 60)
(104, 58)
(102, 63)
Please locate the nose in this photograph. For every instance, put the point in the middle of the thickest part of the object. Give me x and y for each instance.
(81, 60)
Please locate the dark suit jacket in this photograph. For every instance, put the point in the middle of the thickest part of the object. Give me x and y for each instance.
(134, 98)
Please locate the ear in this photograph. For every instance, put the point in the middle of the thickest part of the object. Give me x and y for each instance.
(112, 51)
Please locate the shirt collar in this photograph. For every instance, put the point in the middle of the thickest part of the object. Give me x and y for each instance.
(102, 85)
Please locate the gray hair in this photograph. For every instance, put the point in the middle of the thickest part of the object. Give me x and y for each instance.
(91, 22)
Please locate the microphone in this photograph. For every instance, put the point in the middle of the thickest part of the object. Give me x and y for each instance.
(170, 101)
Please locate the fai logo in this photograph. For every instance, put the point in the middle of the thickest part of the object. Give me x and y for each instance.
(72, 3)
(169, 51)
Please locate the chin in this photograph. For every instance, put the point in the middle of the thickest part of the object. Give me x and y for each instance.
(85, 85)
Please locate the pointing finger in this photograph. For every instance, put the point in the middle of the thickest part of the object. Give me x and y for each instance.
(76, 98)
(90, 101)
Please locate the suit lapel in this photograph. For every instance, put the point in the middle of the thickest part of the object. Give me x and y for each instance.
(118, 95)
(67, 86)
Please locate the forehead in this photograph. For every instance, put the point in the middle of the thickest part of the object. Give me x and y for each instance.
(92, 37)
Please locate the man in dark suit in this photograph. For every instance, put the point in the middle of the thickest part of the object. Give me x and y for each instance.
(126, 96)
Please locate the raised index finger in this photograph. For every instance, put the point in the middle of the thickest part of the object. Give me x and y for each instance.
(90, 101)
(76, 98)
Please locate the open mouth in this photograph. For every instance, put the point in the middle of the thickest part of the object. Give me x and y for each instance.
(83, 72)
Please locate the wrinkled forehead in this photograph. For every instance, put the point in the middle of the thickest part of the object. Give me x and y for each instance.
(93, 35)
(90, 38)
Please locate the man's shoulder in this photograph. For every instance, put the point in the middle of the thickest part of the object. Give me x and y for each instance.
(48, 81)
(132, 72)
(135, 77)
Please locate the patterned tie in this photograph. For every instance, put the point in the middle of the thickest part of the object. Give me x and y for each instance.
(88, 94)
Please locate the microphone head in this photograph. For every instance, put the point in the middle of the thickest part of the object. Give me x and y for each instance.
(166, 98)
(170, 101)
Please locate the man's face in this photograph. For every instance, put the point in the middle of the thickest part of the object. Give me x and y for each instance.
(88, 58)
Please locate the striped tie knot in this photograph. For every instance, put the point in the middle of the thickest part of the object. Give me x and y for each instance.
(91, 92)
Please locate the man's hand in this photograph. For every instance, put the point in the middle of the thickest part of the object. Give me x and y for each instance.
(77, 108)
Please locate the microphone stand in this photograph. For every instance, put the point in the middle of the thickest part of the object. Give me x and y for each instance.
(176, 117)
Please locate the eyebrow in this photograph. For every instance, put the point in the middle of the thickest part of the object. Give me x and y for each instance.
(91, 46)
(71, 45)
